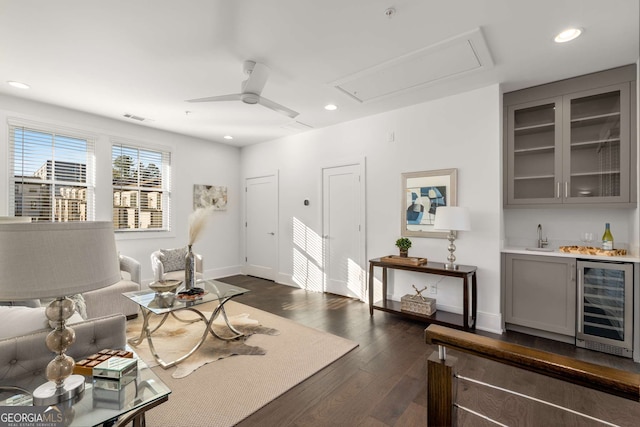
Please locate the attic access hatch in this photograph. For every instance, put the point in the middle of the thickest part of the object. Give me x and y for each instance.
(459, 55)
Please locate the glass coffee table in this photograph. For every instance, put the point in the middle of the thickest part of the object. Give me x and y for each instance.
(167, 304)
(98, 406)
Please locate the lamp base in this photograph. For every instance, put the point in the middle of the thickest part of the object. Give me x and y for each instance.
(451, 265)
(48, 394)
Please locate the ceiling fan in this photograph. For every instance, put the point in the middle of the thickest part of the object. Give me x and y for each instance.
(251, 89)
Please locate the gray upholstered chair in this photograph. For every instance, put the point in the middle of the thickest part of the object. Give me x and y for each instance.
(169, 264)
(109, 300)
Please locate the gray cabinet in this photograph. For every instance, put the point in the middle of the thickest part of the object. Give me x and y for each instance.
(534, 152)
(567, 147)
(540, 293)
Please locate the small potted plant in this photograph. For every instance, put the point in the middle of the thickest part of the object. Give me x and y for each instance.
(403, 244)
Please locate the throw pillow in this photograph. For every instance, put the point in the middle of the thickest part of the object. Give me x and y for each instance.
(81, 305)
(19, 321)
(173, 259)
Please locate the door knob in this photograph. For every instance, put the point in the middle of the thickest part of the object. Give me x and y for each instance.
(272, 233)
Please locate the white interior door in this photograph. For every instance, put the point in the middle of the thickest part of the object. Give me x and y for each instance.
(343, 230)
(261, 226)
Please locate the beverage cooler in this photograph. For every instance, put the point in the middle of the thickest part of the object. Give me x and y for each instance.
(605, 307)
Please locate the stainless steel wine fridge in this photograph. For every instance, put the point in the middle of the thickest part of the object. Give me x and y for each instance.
(605, 307)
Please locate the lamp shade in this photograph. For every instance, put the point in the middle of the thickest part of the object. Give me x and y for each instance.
(41, 260)
(454, 218)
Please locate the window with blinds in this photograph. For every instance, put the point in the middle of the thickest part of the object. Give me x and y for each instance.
(141, 188)
(52, 173)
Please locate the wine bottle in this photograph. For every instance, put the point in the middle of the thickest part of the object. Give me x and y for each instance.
(607, 238)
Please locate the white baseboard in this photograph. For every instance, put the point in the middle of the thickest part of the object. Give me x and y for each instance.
(223, 272)
(489, 322)
(287, 279)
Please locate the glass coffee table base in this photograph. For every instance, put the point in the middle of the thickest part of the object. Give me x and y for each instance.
(148, 333)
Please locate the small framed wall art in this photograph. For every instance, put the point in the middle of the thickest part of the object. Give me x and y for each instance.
(213, 196)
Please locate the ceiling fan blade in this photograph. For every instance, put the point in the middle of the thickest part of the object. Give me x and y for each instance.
(277, 107)
(257, 79)
(234, 97)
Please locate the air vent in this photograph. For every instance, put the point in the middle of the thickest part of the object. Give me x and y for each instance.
(297, 126)
(134, 117)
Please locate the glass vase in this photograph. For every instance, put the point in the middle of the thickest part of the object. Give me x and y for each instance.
(190, 269)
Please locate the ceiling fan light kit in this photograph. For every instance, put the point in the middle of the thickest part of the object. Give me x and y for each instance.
(251, 89)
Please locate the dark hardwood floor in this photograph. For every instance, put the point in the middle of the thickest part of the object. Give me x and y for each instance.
(383, 381)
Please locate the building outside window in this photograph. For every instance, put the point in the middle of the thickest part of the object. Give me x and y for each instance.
(141, 188)
(51, 172)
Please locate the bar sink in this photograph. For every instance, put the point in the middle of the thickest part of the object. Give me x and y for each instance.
(540, 249)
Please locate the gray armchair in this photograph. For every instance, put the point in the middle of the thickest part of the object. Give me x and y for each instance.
(160, 272)
(109, 300)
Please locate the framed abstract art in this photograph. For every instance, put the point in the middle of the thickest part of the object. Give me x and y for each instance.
(422, 194)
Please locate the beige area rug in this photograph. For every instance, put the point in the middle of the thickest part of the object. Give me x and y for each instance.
(230, 389)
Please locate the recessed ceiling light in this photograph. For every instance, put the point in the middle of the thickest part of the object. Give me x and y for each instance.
(227, 137)
(19, 85)
(330, 107)
(568, 35)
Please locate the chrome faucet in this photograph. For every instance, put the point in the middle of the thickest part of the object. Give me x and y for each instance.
(541, 243)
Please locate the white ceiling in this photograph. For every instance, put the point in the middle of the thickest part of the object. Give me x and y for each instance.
(146, 57)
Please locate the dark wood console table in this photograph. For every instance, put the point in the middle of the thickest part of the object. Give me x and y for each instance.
(465, 321)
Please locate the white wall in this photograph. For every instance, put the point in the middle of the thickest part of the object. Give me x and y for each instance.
(194, 161)
(461, 131)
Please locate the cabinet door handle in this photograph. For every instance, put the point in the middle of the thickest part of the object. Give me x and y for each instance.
(580, 300)
(573, 272)
(566, 189)
(557, 189)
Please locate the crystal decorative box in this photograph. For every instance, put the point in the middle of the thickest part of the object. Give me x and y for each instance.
(116, 368)
(114, 394)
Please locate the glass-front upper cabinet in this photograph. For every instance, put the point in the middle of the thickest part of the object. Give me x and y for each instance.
(535, 152)
(572, 142)
(596, 152)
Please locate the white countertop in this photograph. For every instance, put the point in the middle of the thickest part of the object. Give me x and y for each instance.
(557, 253)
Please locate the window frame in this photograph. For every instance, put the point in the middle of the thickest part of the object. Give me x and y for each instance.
(57, 133)
(166, 155)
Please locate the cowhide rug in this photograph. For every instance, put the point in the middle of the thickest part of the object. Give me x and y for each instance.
(176, 338)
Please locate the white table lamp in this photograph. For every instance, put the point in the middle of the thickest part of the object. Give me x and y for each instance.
(44, 260)
(452, 218)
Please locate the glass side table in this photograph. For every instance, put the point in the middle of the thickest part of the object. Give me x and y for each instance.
(100, 405)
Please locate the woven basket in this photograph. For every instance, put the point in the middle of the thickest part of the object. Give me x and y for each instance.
(417, 304)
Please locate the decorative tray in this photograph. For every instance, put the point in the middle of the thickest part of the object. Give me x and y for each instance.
(396, 259)
(191, 295)
(86, 365)
(590, 250)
